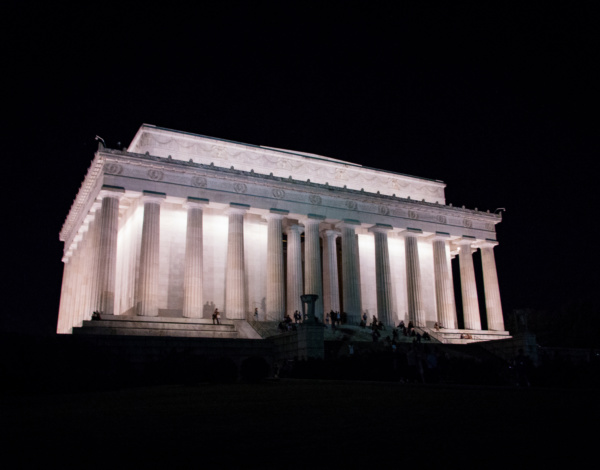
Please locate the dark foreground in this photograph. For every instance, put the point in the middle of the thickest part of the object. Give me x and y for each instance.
(301, 424)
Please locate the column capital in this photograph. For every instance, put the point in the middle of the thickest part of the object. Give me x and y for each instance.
(330, 233)
(380, 228)
(153, 197)
(349, 223)
(466, 240)
(281, 212)
(111, 191)
(276, 214)
(411, 232)
(311, 219)
(487, 243)
(294, 228)
(235, 208)
(441, 237)
(195, 203)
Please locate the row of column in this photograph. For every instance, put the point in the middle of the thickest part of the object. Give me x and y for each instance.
(101, 287)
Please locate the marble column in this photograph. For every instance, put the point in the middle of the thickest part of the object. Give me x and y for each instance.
(313, 281)
(275, 265)
(382, 273)
(358, 278)
(468, 286)
(493, 305)
(62, 325)
(294, 269)
(85, 307)
(350, 271)
(444, 292)
(95, 259)
(235, 278)
(149, 255)
(331, 287)
(69, 281)
(193, 274)
(414, 292)
(77, 315)
(107, 249)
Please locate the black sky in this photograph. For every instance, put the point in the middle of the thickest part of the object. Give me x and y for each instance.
(499, 102)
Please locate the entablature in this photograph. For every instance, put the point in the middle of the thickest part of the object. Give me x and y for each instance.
(139, 172)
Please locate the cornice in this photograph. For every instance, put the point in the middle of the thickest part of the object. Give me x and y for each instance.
(82, 200)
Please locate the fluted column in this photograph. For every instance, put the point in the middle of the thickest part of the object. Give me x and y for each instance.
(493, 305)
(107, 249)
(313, 281)
(275, 272)
(192, 279)
(62, 325)
(95, 259)
(235, 280)
(85, 309)
(444, 292)
(358, 278)
(414, 291)
(68, 284)
(382, 273)
(294, 269)
(150, 255)
(468, 286)
(350, 271)
(331, 287)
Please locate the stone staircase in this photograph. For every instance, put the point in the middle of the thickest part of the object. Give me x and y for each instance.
(158, 326)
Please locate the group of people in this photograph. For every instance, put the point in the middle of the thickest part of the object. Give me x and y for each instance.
(288, 324)
(335, 318)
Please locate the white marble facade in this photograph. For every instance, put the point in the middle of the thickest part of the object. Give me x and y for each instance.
(179, 224)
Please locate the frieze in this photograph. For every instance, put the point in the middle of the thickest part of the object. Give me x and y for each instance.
(468, 223)
(413, 215)
(278, 193)
(441, 219)
(351, 205)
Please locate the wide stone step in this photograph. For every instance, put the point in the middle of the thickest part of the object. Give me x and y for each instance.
(157, 325)
(141, 331)
(183, 320)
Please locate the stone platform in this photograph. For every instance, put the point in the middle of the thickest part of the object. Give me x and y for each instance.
(128, 325)
(456, 336)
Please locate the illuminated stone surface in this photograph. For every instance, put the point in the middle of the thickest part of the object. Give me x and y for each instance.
(180, 224)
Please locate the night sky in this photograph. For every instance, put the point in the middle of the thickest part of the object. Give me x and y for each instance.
(498, 102)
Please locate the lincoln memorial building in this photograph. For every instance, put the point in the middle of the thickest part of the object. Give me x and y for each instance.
(179, 224)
